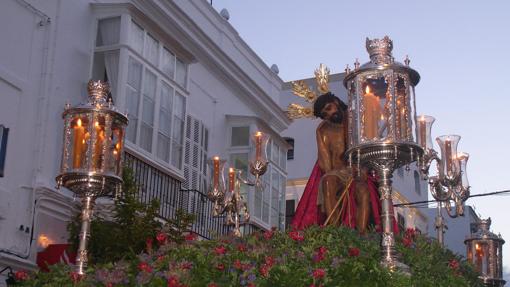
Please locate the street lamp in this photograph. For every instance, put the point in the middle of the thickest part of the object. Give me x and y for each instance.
(92, 154)
(381, 113)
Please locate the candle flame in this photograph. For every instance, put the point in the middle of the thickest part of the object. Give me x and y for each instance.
(231, 170)
(258, 134)
(422, 118)
(117, 145)
(78, 122)
(83, 141)
(115, 152)
(96, 124)
(367, 89)
(216, 158)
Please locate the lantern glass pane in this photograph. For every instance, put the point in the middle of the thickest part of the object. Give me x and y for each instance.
(80, 138)
(403, 110)
(99, 144)
(375, 101)
(116, 148)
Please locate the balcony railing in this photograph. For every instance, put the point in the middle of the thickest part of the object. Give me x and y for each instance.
(155, 184)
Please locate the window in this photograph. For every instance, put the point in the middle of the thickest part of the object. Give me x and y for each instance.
(154, 88)
(240, 136)
(195, 155)
(4, 133)
(417, 182)
(290, 152)
(290, 210)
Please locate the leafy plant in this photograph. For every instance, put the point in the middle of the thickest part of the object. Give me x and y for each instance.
(124, 236)
(329, 256)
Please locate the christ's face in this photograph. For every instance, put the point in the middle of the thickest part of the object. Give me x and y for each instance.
(331, 112)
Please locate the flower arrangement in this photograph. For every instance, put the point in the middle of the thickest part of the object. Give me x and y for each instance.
(317, 256)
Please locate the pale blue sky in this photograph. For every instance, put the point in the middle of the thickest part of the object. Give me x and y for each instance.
(460, 48)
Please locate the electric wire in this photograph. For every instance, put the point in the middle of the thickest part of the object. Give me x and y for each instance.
(425, 203)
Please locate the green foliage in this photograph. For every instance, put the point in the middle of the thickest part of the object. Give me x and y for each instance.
(124, 236)
(329, 256)
(177, 227)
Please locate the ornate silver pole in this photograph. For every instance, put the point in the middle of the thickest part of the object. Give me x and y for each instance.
(389, 256)
(86, 217)
(440, 224)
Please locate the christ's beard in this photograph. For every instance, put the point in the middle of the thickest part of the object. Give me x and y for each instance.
(337, 117)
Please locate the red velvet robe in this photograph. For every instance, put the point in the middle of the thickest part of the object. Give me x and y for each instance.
(308, 212)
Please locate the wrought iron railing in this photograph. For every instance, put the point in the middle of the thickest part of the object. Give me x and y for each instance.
(155, 184)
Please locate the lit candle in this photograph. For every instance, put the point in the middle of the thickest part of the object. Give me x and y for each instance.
(216, 172)
(422, 131)
(258, 145)
(231, 179)
(79, 141)
(372, 114)
(448, 156)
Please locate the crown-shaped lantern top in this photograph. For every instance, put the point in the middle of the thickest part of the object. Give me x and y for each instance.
(380, 50)
(98, 93)
(484, 224)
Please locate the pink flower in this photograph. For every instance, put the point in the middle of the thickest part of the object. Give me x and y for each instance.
(186, 265)
(269, 261)
(453, 264)
(212, 285)
(319, 273)
(353, 252)
(264, 270)
(173, 281)
(160, 258)
(220, 267)
(250, 285)
(268, 234)
(320, 255)
(161, 237)
(220, 250)
(148, 244)
(410, 233)
(241, 247)
(145, 267)
(407, 241)
(296, 236)
(238, 264)
(190, 237)
(21, 275)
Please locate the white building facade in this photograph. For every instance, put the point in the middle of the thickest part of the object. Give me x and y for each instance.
(192, 89)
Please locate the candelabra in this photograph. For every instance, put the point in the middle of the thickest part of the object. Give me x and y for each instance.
(230, 201)
(92, 154)
(380, 121)
(450, 185)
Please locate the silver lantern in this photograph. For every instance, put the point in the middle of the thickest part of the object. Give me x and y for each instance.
(484, 251)
(381, 111)
(92, 154)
